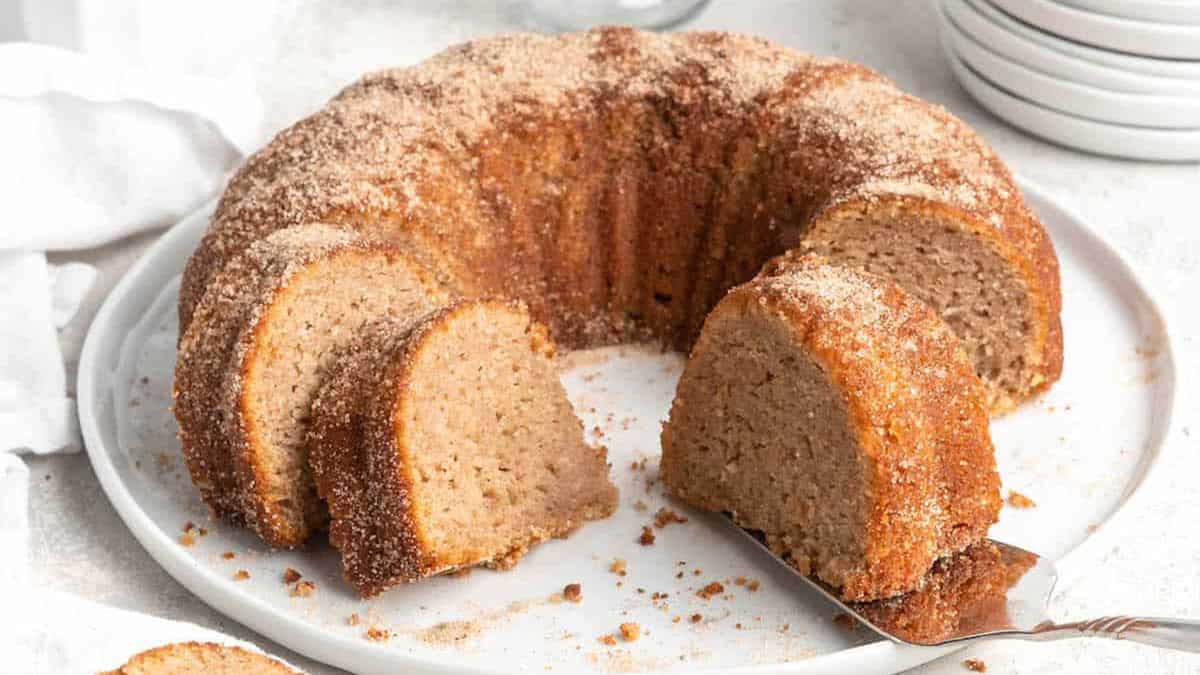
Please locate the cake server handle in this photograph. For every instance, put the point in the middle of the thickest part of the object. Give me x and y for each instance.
(1181, 634)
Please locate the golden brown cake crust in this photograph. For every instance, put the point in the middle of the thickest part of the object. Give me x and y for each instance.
(201, 658)
(915, 404)
(620, 181)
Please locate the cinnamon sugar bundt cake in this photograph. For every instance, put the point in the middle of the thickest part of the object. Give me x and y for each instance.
(446, 441)
(839, 416)
(250, 362)
(619, 183)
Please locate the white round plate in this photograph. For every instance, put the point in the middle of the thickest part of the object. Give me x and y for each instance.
(1131, 63)
(1163, 40)
(1041, 58)
(1163, 112)
(1080, 452)
(1162, 145)
(1156, 11)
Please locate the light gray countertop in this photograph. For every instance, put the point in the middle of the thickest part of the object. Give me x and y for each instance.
(1147, 210)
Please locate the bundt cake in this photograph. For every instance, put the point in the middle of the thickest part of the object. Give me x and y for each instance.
(201, 658)
(620, 182)
(249, 364)
(839, 416)
(446, 441)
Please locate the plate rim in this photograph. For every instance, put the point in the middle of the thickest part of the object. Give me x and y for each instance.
(1139, 38)
(979, 27)
(1074, 98)
(345, 652)
(1092, 136)
(1133, 63)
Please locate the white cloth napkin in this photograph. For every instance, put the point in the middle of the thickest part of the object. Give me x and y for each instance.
(115, 118)
(87, 637)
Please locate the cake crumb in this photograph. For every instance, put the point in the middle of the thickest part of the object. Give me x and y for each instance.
(241, 575)
(846, 621)
(675, 619)
(189, 526)
(573, 592)
(753, 586)
(353, 619)
(679, 575)
(713, 588)
(291, 576)
(1019, 501)
(203, 532)
(378, 634)
(630, 632)
(975, 665)
(695, 618)
(303, 589)
(640, 506)
(608, 640)
(228, 555)
(739, 581)
(187, 539)
(665, 517)
(617, 567)
(697, 572)
(647, 538)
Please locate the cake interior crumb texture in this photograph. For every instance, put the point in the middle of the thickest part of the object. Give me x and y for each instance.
(496, 453)
(320, 308)
(838, 416)
(448, 442)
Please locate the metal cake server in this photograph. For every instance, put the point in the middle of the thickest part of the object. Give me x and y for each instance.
(1002, 593)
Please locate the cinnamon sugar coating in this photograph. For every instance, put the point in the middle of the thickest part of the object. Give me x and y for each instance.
(621, 181)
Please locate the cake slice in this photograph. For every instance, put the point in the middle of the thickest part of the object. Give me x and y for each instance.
(837, 415)
(251, 359)
(448, 441)
(977, 275)
(201, 658)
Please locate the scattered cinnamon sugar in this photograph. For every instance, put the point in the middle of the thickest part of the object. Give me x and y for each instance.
(378, 634)
(187, 539)
(291, 576)
(713, 588)
(846, 621)
(353, 619)
(753, 586)
(659, 596)
(573, 592)
(241, 575)
(695, 618)
(608, 640)
(1019, 501)
(647, 538)
(617, 567)
(228, 555)
(665, 517)
(303, 589)
(975, 665)
(630, 632)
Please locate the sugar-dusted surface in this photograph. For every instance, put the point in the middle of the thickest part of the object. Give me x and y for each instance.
(1104, 418)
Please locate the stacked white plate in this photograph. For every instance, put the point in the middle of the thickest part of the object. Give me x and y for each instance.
(1113, 77)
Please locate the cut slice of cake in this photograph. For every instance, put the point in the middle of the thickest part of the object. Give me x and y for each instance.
(840, 417)
(250, 362)
(448, 441)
